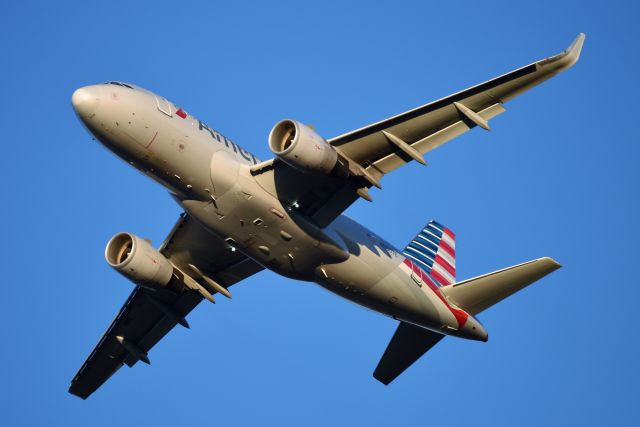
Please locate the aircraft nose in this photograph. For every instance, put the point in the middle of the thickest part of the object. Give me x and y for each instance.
(85, 101)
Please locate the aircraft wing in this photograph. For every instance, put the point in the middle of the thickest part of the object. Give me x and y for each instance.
(147, 315)
(384, 146)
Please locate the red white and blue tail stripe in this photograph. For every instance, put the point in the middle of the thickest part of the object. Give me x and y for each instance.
(434, 250)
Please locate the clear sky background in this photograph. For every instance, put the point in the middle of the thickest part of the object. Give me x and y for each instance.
(557, 176)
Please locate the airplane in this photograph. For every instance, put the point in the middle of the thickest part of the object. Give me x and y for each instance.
(243, 215)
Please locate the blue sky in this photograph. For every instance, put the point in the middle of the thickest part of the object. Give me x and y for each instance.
(557, 176)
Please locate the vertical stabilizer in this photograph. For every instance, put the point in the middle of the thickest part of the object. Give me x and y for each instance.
(434, 250)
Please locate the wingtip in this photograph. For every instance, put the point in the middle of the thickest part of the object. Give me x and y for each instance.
(552, 262)
(571, 55)
(568, 57)
(82, 395)
(383, 380)
(574, 49)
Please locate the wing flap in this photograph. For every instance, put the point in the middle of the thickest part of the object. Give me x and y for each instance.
(141, 323)
(434, 140)
(157, 325)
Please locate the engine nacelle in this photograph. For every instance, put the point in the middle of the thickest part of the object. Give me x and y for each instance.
(138, 261)
(299, 146)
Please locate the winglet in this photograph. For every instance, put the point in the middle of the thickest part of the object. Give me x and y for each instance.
(569, 57)
(573, 51)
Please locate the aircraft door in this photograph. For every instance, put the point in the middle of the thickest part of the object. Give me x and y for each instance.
(163, 105)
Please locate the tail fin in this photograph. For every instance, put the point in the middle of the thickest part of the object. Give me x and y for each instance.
(478, 294)
(434, 249)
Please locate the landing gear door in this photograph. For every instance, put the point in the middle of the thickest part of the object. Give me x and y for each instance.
(163, 105)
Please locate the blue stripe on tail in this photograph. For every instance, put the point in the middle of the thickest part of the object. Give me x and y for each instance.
(433, 249)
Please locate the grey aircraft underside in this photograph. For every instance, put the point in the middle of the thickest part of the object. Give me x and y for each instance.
(242, 215)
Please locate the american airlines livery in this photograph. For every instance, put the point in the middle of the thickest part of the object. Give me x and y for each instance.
(242, 215)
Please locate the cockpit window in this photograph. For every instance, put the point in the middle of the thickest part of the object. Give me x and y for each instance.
(119, 84)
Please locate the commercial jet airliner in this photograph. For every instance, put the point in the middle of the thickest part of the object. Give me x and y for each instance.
(242, 215)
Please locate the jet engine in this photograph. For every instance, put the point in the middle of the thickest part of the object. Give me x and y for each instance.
(299, 146)
(138, 261)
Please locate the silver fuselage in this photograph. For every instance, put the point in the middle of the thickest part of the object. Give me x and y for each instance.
(210, 177)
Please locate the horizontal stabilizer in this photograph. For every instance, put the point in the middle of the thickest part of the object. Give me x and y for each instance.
(478, 294)
(407, 345)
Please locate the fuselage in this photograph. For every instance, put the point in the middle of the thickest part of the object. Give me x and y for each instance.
(210, 177)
